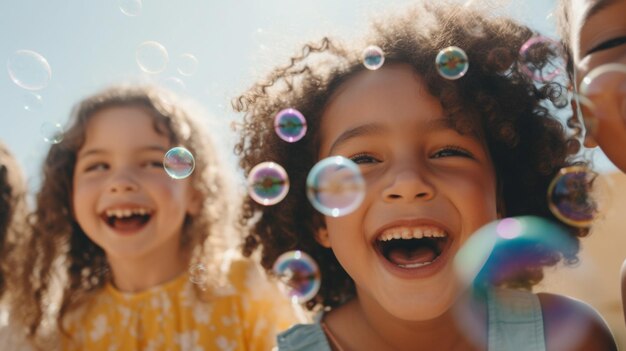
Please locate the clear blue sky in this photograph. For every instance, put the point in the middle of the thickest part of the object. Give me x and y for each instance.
(90, 44)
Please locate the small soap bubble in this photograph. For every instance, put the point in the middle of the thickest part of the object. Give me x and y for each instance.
(29, 70)
(542, 59)
(373, 57)
(577, 196)
(268, 183)
(151, 57)
(290, 125)
(300, 275)
(52, 132)
(187, 64)
(452, 63)
(335, 186)
(179, 163)
(130, 8)
(198, 274)
(32, 102)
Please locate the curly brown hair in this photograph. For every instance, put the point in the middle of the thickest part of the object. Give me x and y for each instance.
(12, 216)
(563, 26)
(527, 144)
(59, 240)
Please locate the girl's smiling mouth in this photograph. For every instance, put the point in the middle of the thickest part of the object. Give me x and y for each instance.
(413, 250)
(127, 220)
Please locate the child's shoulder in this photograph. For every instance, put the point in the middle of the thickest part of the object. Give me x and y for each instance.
(571, 324)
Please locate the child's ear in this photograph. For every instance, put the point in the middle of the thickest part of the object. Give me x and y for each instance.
(322, 237)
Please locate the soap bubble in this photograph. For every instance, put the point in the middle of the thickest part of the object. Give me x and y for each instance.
(179, 163)
(130, 8)
(151, 57)
(452, 63)
(533, 56)
(29, 70)
(300, 275)
(335, 186)
(290, 125)
(373, 57)
(268, 183)
(52, 132)
(187, 64)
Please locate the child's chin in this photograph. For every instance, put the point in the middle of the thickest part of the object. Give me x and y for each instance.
(420, 311)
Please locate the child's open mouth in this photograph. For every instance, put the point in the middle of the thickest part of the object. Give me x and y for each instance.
(127, 219)
(412, 247)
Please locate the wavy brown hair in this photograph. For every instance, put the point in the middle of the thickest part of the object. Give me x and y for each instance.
(563, 25)
(527, 144)
(12, 217)
(59, 242)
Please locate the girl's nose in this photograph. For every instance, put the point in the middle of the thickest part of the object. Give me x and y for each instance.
(408, 186)
(122, 183)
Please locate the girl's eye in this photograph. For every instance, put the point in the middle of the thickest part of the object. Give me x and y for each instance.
(154, 164)
(608, 44)
(449, 151)
(364, 159)
(100, 166)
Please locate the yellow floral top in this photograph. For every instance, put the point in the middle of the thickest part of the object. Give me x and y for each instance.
(172, 317)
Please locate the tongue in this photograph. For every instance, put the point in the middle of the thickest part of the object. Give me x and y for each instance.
(403, 256)
(129, 223)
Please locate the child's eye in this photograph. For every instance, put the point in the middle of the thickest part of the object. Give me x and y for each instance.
(154, 164)
(448, 151)
(99, 166)
(608, 44)
(364, 159)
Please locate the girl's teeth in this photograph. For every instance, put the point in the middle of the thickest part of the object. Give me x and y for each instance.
(412, 233)
(123, 213)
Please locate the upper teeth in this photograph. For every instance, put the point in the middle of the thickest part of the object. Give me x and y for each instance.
(127, 212)
(412, 233)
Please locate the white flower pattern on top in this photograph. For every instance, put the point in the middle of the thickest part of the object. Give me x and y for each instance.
(174, 317)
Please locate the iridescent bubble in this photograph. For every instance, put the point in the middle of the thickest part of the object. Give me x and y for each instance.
(198, 274)
(32, 102)
(151, 57)
(335, 186)
(542, 59)
(300, 275)
(52, 132)
(577, 196)
(373, 57)
(130, 8)
(268, 183)
(452, 63)
(604, 92)
(502, 250)
(500, 254)
(29, 70)
(187, 64)
(179, 163)
(290, 125)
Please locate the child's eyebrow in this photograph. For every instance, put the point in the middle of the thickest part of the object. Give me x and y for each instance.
(379, 128)
(90, 152)
(365, 129)
(598, 6)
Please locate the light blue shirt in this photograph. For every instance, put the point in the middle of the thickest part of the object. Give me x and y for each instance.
(514, 317)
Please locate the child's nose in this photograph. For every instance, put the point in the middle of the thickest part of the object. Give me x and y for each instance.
(409, 185)
(122, 182)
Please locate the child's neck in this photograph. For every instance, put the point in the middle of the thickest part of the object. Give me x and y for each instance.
(379, 330)
(141, 273)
